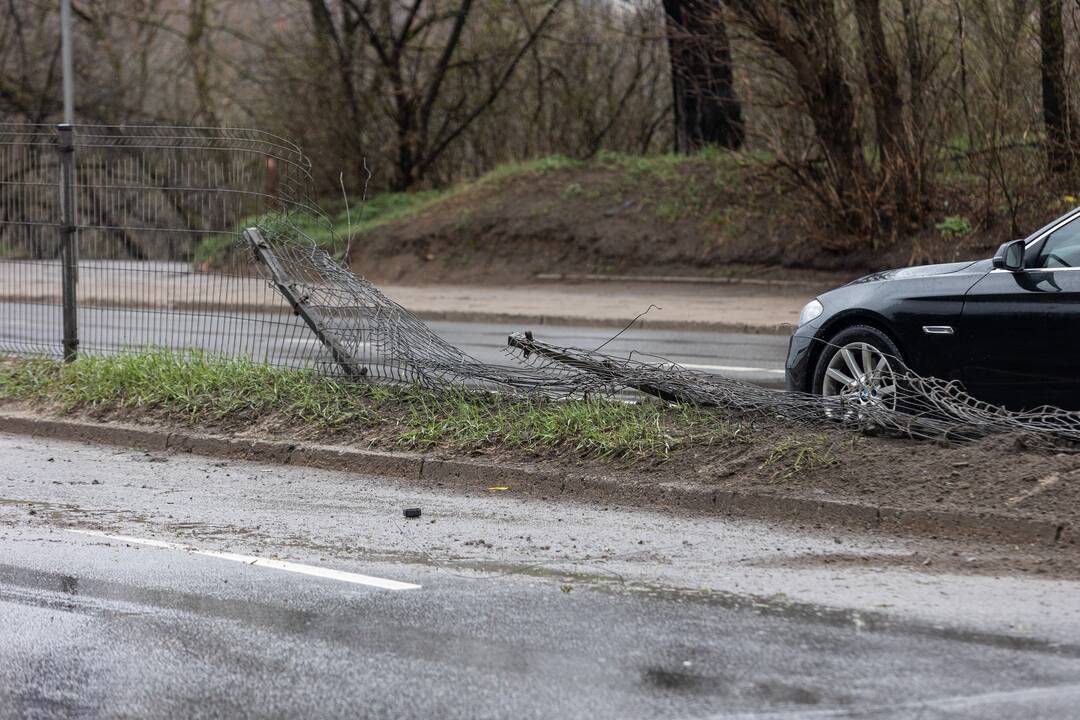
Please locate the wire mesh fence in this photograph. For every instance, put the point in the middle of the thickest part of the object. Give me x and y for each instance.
(150, 207)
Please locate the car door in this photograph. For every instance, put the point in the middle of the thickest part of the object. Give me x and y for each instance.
(1019, 335)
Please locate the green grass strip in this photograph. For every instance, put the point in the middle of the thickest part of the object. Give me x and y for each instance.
(206, 390)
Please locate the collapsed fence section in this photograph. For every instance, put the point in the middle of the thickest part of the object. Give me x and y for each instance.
(353, 319)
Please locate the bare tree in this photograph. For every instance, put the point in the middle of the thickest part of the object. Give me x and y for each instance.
(200, 57)
(891, 129)
(417, 46)
(707, 109)
(805, 35)
(1058, 115)
(29, 62)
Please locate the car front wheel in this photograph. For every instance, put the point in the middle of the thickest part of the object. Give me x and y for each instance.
(861, 366)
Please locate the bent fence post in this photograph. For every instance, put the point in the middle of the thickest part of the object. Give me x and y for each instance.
(311, 315)
(69, 242)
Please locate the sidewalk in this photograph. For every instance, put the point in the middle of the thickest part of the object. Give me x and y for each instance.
(738, 308)
(722, 307)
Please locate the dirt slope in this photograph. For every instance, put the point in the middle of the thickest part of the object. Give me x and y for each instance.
(702, 216)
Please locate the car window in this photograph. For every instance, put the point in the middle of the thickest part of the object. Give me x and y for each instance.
(1062, 248)
(1074, 213)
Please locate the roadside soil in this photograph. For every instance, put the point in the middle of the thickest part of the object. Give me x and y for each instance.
(695, 218)
(1000, 476)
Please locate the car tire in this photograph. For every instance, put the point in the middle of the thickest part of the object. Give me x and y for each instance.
(854, 338)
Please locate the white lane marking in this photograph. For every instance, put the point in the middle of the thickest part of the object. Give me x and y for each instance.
(731, 368)
(302, 569)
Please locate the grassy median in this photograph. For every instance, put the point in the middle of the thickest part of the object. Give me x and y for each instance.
(208, 391)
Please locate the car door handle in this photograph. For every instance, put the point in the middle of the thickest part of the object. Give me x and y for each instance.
(937, 329)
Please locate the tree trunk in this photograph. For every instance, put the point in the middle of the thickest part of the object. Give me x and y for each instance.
(336, 47)
(707, 109)
(806, 35)
(916, 65)
(883, 80)
(1057, 112)
(201, 61)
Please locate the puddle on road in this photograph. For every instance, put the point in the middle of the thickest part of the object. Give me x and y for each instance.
(66, 592)
(359, 628)
(684, 681)
(775, 606)
(51, 591)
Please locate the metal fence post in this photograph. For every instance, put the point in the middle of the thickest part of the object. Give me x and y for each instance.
(69, 241)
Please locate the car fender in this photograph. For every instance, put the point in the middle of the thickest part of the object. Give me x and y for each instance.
(902, 307)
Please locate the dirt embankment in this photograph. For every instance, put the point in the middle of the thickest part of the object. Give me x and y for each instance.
(697, 217)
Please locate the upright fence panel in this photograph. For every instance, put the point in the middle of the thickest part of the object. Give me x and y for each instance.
(30, 270)
(155, 222)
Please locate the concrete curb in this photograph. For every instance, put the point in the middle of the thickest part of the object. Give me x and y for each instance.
(476, 476)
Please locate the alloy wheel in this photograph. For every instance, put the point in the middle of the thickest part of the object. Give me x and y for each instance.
(861, 375)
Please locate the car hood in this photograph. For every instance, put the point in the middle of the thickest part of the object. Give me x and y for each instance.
(918, 271)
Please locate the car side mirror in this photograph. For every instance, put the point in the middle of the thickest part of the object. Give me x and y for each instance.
(1010, 256)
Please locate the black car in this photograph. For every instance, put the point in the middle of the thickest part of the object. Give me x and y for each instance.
(1008, 328)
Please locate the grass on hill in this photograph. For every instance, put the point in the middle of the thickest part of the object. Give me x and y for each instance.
(360, 217)
(332, 231)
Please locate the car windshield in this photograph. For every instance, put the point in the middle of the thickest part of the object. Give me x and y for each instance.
(1038, 233)
(1062, 248)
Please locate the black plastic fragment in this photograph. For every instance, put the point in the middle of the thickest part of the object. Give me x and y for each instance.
(412, 512)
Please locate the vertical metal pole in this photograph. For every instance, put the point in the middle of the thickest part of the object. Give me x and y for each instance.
(69, 239)
(66, 59)
(69, 242)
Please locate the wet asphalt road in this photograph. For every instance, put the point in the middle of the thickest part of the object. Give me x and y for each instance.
(99, 629)
(756, 358)
(526, 609)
